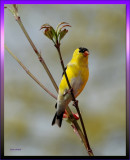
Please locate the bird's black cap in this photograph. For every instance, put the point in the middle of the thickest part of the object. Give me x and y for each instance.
(82, 50)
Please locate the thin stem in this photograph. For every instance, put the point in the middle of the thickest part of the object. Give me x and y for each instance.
(79, 131)
(57, 45)
(29, 73)
(63, 66)
(90, 152)
(37, 53)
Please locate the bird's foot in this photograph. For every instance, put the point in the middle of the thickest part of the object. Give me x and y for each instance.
(75, 103)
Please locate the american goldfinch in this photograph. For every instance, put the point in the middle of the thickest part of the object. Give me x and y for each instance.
(78, 73)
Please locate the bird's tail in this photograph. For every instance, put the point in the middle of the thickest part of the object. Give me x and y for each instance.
(57, 119)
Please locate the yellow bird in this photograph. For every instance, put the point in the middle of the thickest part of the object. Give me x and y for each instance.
(78, 72)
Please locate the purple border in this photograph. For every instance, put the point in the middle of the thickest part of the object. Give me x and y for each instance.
(127, 2)
(2, 74)
(66, 1)
(128, 72)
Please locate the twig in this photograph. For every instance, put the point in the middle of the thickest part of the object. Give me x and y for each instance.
(34, 48)
(29, 73)
(57, 45)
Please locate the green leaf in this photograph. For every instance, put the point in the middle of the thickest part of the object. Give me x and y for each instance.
(62, 33)
(60, 24)
(58, 31)
(49, 31)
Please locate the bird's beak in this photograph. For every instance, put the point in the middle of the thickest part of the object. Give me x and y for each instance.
(86, 53)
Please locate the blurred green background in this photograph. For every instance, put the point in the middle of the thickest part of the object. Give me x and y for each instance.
(28, 110)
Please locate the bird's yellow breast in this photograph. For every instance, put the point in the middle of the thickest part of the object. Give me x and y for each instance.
(77, 72)
(78, 76)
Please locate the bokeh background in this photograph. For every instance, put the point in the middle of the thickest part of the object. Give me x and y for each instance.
(29, 110)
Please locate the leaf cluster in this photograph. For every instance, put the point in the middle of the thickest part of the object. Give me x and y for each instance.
(55, 34)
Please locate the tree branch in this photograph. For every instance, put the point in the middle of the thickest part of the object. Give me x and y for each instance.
(18, 19)
(57, 45)
(29, 73)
